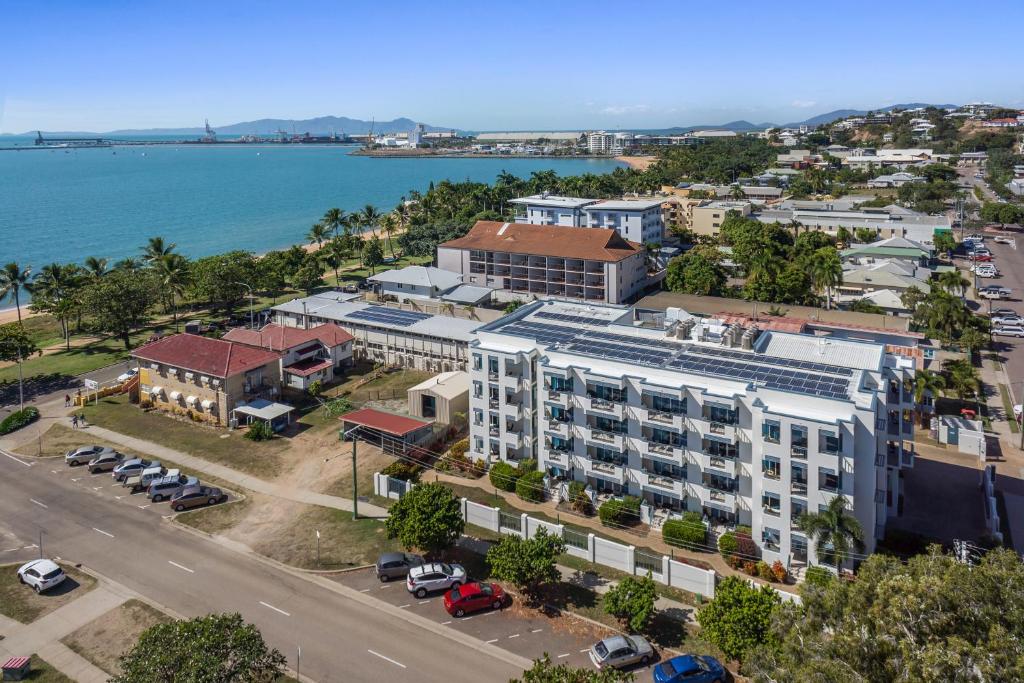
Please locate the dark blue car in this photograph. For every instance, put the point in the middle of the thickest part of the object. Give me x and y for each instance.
(690, 669)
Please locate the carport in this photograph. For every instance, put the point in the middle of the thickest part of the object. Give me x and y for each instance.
(394, 433)
(277, 415)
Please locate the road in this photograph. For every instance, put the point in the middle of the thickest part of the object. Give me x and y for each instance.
(1010, 262)
(42, 390)
(344, 634)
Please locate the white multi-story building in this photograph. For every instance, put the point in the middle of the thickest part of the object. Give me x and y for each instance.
(745, 426)
(637, 220)
(600, 142)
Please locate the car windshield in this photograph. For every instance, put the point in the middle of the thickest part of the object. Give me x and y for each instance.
(53, 574)
(447, 569)
(456, 594)
(601, 650)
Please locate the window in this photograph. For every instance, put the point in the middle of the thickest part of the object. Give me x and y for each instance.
(666, 404)
(723, 414)
(770, 538)
(478, 390)
(771, 468)
(798, 440)
(492, 365)
(771, 431)
(478, 361)
(771, 503)
(829, 442)
(829, 480)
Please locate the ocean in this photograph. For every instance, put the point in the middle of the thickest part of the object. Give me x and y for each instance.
(67, 204)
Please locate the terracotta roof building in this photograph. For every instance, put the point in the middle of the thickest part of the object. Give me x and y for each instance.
(317, 354)
(393, 433)
(591, 264)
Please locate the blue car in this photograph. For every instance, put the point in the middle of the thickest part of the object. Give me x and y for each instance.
(690, 669)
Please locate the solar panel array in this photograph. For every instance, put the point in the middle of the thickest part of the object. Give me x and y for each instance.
(786, 362)
(619, 352)
(771, 376)
(388, 316)
(575, 319)
(548, 335)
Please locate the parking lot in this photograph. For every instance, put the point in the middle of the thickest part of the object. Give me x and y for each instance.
(1010, 261)
(566, 640)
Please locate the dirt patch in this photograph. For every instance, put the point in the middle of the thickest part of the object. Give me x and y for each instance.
(217, 519)
(59, 439)
(22, 604)
(103, 640)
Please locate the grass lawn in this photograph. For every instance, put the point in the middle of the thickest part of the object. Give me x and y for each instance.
(1008, 407)
(21, 603)
(261, 459)
(44, 330)
(218, 518)
(103, 640)
(58, 440)
(43, 672)
(344, 542)
(390, 385)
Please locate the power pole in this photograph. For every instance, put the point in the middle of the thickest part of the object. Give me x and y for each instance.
(355, 484)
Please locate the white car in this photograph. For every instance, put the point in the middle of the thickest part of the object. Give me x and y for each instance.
(1008, 321)
(41, 575)
(128, 375)
(1004, 240)
(1009, 331)
(987, 272)
(435, 576)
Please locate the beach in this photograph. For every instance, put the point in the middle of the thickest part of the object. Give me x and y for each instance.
(637, 163)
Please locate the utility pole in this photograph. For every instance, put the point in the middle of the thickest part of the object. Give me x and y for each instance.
(355, 484)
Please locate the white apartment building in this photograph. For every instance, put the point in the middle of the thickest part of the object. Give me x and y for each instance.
(637, 220)
(745, 426)
(600, 142)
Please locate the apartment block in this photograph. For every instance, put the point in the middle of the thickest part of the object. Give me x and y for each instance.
(745, 426)
(637, 220)
(590, 264)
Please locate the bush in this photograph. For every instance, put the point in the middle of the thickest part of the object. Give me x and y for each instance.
(779, 571)
(818, 576)
(764, 571)
(579, 501)
(259, 431)
(146, 405)
(459, 448)
(728, 545)
(402, 470)
(616, 512)
(686, 532)
(530, 487)
(610, 511)
(19, 419)
(503, 476)
(750, 568)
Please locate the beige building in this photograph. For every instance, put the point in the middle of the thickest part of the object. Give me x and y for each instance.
(206, 378)
(441, 397)
(706, 217)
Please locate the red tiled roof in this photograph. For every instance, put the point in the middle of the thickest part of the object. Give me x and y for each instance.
(15, 663)
(592, 244)
(398, 425)
(214, 357)
(281, 338)
(307, 366)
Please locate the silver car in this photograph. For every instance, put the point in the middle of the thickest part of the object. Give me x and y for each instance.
(395, 565)
(436, 576)
(83, 454)
(619, 652)
(161, 489)
(130, 468)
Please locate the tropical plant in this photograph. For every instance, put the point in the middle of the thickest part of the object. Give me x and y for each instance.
(962, 378)
(373, 254)
(335, 220)
(318, 234)
(55, 290)
(530, 487)
(429, 517)
(370, 217)
(389, 224)
(173, 277)
(156, 248)
(119, 303)
(927, 383)
(739, 618)
(631, 601)
(953, 282)
(528, 564)
(259, 430)
(836, 533)
(19, 419)
(95, 267)
(13, 280)
(826, 271)
(544, 671)
(503, 476)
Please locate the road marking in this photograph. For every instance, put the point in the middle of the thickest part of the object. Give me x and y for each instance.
(424, 602)
(466, 618)
(190, 571)
(443, 623)
(29, 547)
(42, 505)
(54, 471)
(118, 497)
(385, 586)
(536, 630)
(387, 659)
(402, 606)
(587, 650)
(492, 641)
(103, 532)
(75, 478)
(113, 485)
(274, 608)
(96, 488)
(514, 635)
(19, 460)
(565, 655)
(142, 507)
(365, 590)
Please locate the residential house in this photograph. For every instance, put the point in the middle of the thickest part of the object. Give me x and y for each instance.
(896, 180)
(707, 217)
(319, 354)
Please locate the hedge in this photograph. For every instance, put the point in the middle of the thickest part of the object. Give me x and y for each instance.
(19, 419)
(617, 511)
(530, 487)
(686, 532)
(503, 476)
(401, 470)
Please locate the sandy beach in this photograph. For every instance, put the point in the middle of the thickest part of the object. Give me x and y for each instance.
(637, 163)
(10, 315)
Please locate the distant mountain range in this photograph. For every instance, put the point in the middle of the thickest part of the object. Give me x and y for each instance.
(321, 125)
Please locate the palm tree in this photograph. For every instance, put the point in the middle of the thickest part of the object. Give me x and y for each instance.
(14, 279)
(370, 217)
(334, 254)
(736, 192)
(54, 288)
(156, 249)
(95, 267)
(834, 530)
(388, 224)
(335, 219)
(962, 378)
(826, 271)
(927, 383)
(128, 264)
(448, 309)
(953, 282)
(317, 234)
(174, 276)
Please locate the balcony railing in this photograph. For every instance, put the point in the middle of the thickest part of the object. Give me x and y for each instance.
(607, 437)
(717, 428)
(799, 487)
(771, 474)
(494, 431)
(606, 467)
(798, 451)
(492, 375)
(770, 510)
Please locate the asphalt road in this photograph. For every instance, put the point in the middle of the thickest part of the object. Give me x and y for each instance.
(42, 390)
(344, 635)
(1010, 262)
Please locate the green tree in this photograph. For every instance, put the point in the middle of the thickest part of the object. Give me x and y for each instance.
(953, 282)
(962, 378)
(318, 234)
(429, 518)
(221, 280)
(95, 267)
(309, 276)
(973, 339)
(156, 248)
(370, 216)
(911, 297)
(544, 671)
(826, 271)
(944, 241)
(335, 220)
(216, 648)
(698, 271)
(927, 384)
(373, 254)
(631, 601)
(835, 532)
(173, 276)
(528, 564)
(843, 235)
(55, 291)
(739, 618)
(865, 235)
(274, 270)
(119, 303)
(930, 618)
(13, 280)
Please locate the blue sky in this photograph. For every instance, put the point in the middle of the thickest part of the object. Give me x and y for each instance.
(100, 65)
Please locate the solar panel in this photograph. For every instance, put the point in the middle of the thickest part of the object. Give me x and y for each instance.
(575, 319)
(784, 362)
(770, 376)
(389, 316)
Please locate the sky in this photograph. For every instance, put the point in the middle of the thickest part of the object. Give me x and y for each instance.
(100, 65)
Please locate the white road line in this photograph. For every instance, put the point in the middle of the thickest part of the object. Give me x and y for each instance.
(190, 571)
(514, 635)
(18, 460)
(565, 655)
(423, 603)
(536, 630)
(118, 497)
(385, 586)
(103, 532)
(42, 505)
(387, 659)
(54, 471)
(142, 507)
(29, 547)
(443, 623)
(466, 618)
(274, 608)
(365, 590)
(587, 650)
(402, 606)
(113, 485)
(10, 550)
(492, 641)
(75, 478)
(96, 488)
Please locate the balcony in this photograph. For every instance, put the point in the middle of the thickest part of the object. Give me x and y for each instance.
(676, 421)
(798, 487)
(559, 427)
(664, 483)
(604, 470)
(719, 463)
(771, 510)
(494, 430)
(513, 439)
(601, 406)
(725, 500)
(558, 397)
(613, 439)
(492, 375)
(799, 451)
(559, 457)
(492, 402)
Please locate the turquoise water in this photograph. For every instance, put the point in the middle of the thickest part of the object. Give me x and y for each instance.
(65, 205)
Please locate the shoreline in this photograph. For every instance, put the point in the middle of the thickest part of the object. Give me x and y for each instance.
(426, 154)
(637, 163)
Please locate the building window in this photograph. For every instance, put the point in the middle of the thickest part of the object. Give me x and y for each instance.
(716, 413)
(829, 442)
(771, 431)
(798, 441)
(770, 538)
(829, 480)
(771, 468)
(771, 503)
(478, 361)
(478, 417)
(478, 390)
(665, 404)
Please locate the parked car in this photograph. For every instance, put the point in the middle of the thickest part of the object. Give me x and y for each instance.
(1002, 312)
(690, 669)
(128, 374)
(395, 565)
(1009, 331)
(350, 289)
(1008, 320)
(618, 652)
(166, 487)
(129, 468)
(41, 575)
(975, 237)
(983, 258)
(987, 273)
(1004, 240)
(473, 597)
(105, 462)
(196, 496)
(995, 292)
(436, 576)
(83, 454)
(141, 481)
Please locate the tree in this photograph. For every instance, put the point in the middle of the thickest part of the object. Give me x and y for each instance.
(373, 254)
(217, 648)
(55, 288)
(543, 671)
(156, 248)
(429, 518)
(843, 235)
(95, 267)
(930, 618)
(631, 601)
(309, 276)
(221, 280)
(972, 339)
(370, 217)
(865, 235)
(333, 254)
(528, 564)
(173, 276)
(962, 378)
(739, 618)
(826, 271)
(389, 223)
(335, 220)
(911, 297)
(15, 344)
(927, 384)
(119, 303)
(698, 271)
(944, 241)
(836, 533)
(13, 280)
(953, 282)
(318, 234)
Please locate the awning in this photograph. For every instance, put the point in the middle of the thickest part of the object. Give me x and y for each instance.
(264, 409)
(175, 395)
(190, 400)
(206, 403)
(305, 368)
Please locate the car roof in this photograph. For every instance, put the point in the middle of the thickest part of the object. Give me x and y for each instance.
(392, 557)
(615, 642)
(44, 566)
(471, 588)
(683, 662)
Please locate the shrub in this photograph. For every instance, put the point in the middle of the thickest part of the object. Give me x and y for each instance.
(146, 405)
(818, 576)
(746, 549)
(764, 571)
(525, 467)
(728, 545)
(686, 532)
(530, 487)
(19, 419)
(402, 470)
(579, 501)
(616, 511)
(259, 431)
(459, 448)
(503, 476)
(779, 571)
(750, 568)
(610, 511)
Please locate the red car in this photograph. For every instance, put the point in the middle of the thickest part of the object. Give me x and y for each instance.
(473, 597)
(983, 257)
